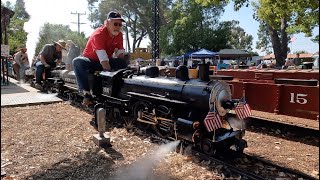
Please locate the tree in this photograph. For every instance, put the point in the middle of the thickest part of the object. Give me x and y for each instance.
(316, 39)
(20, 11)
(238, 38)
(192, 26)
(285, 18)
(17, 36)
(53, 32)
(300, 52)
(264, 42)
(282, 18)
(8, 5)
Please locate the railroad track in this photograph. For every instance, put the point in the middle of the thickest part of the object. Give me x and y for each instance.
(284, 128)
(236, 171)
(244, 169)
(294, 174)
(298, 131)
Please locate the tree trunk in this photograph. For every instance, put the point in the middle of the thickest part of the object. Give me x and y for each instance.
(128, 40)
(284, 41)
(276, 45)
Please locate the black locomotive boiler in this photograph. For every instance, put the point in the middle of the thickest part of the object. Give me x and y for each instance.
(174, 107)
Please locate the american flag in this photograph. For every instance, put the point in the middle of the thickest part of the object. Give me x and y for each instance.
(243, 109)
(212, 121)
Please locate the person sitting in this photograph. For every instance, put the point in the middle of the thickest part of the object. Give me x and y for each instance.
(21, 62)
(263, 64)
(104, 51)
(288, 62)
(222, 65)
(162, 62)
(73, 52)
(48, 58)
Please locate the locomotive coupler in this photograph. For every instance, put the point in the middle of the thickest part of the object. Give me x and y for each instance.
(101, 139)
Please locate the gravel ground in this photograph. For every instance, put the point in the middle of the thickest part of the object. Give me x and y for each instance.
(55, 142)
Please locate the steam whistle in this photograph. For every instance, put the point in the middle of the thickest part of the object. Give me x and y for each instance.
(101, 139)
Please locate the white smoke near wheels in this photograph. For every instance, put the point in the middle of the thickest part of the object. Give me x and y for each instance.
(142, 169)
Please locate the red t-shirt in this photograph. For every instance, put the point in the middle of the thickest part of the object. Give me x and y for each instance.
(102, 40)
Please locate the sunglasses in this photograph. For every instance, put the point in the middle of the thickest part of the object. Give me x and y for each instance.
(117, 24)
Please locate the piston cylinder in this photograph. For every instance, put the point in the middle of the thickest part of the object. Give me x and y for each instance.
(186, 128)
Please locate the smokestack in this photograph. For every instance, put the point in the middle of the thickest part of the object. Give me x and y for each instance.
(204, 71)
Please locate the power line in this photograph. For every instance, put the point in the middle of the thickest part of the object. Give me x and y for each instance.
(79, 14)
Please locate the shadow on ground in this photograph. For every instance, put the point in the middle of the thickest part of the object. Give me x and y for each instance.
(12, 88)
(96, 164)
(92, 164)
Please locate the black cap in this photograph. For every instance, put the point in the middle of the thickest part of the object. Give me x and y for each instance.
(115, 15)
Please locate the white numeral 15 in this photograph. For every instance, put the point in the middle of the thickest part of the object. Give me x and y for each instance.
(299, 98)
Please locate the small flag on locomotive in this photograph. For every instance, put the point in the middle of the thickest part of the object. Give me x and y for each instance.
(243, 109)
(212, 120)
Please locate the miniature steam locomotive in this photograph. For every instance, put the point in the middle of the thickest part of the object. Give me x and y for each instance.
(174, 107)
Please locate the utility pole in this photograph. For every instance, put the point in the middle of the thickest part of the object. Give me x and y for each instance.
(79, 14)
(155, 30)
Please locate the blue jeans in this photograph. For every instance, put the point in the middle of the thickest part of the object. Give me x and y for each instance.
(40, 69)
(82, 66)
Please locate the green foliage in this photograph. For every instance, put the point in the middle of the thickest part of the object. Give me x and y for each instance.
(237, 3)
(238, 39)
(253, 53)
(7, 5)
(316, 39)
(284, 18)
(264, 42)
(192, 26)
(54, 32)
(16, 34)
(20, 11)
(300, 52)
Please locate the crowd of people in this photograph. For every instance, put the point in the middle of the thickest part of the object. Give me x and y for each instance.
(103, 52)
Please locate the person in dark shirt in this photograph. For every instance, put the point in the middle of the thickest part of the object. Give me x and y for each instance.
(49, 56)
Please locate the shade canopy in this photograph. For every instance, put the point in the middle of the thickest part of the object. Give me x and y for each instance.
(203, 53)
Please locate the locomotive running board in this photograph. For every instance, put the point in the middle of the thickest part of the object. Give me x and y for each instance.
(157, 98)
(115, 100)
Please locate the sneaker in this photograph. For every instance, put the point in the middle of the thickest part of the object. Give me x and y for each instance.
(87, 100)
(38, 86)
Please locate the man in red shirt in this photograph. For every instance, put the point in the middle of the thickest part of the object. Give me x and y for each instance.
(104, 51)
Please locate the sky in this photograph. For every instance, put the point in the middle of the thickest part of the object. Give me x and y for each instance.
(59, 12)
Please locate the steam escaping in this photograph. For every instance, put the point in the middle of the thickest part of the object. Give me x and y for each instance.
(142, 169)
(236, 123)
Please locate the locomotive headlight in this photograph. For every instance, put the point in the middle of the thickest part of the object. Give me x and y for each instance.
(220, 93)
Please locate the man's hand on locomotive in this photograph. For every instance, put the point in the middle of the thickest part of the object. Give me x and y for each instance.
(105, 65)
(104, 60)
(118, 53)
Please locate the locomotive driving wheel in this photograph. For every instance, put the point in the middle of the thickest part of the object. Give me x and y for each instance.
(207, 147)
(140, 107)
(164, 126)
